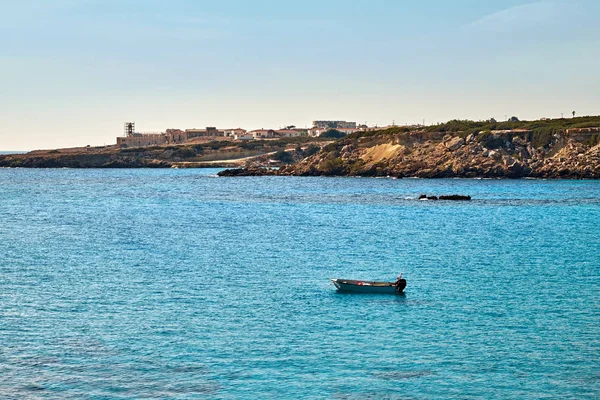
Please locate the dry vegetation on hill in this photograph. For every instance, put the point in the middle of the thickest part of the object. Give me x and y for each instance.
(543, 149)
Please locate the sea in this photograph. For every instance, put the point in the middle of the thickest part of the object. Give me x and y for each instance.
(178, 284)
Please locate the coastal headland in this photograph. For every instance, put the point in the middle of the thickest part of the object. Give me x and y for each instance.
(564, 148)
(209, 154)
(558, 148)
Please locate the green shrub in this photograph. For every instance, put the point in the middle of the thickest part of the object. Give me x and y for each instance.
(331, 147)
(283, 156)
(557, 125)
(199, 148)
(542, 137)
(185, 152)
(332, 166)
(332, 134)
(311, 150)
(252, 145)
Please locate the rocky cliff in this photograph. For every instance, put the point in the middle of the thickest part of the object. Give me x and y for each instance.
(513, 153)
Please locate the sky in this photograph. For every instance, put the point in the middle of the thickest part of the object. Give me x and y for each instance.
(73, 71)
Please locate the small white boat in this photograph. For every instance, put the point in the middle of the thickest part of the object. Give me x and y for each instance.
(347, 285)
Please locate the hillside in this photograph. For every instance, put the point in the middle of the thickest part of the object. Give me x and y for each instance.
(564, 148)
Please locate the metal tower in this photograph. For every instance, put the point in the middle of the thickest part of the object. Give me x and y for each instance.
(129, 128)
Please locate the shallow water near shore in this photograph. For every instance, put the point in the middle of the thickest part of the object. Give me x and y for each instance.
(179, 284)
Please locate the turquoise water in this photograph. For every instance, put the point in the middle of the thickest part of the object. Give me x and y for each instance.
(178, 284)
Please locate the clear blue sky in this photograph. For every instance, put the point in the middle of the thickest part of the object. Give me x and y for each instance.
(72, 71)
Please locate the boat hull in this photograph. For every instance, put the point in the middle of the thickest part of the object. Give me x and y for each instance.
(351, 286)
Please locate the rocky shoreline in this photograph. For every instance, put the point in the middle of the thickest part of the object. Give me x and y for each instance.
(545, 149)
(422, 154)
(209, 155)
(81, 161)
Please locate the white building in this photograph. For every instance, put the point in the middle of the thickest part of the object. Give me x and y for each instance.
(288, 133)
(316, 132)
(233, 132)
(243, 136)
(263, 133)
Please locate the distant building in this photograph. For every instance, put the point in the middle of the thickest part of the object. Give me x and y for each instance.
(348, 131)
(142, 139)
(334, 124)
(233, 132)
(243, 136)
(176, 136)
(210, 131)
(366, 128)
(171, 136)
(288, 133)
(263, 133)
(316, 132)
(136, 139)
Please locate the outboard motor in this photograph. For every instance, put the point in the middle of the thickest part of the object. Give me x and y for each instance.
(400, 285)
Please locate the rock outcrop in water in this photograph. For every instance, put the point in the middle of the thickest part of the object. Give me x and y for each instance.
(510, 153)
(249, 171)
(452, 197)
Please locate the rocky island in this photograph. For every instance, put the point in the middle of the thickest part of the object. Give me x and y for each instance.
(563, 148)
